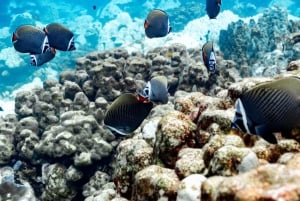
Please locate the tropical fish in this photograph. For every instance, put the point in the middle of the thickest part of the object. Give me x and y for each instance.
(157, 24)
(213, 8)
(126, 114)
(30, 39)
(40, 59)
(60, 37)
(156, 90)
(269, 107)
(208, 56)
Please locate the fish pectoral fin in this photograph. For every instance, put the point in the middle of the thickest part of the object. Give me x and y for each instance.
(265, 133)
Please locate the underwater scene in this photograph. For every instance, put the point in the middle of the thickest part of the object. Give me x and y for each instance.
(149, 100)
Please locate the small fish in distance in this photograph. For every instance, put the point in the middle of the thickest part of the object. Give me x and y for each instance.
(157, 24)
(213, 8)
(126, 114)
(268, 108)
(209, 57)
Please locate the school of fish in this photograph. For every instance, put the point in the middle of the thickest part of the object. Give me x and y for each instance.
(263, 110)
(42, 44)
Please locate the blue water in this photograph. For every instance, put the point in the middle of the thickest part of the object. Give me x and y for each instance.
(92, 22)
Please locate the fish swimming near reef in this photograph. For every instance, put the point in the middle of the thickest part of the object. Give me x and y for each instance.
(209, 57)
(60, 37)
(268, 108)
(126, 114)
(40, 59)
(30, 39)
(213, 8)
(156, 90)
(157, 24)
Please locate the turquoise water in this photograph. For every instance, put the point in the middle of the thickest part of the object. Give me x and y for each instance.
(100, 25)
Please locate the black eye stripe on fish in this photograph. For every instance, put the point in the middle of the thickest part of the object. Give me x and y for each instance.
(269, 107)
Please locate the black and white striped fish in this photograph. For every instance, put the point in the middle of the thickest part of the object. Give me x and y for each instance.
(126, 114)
(269, 107)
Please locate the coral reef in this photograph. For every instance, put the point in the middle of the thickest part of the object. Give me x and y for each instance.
(57, 146)
(155, 183)
(11, 189)
(257, 46)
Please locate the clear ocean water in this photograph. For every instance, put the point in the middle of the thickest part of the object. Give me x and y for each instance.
(103, 25)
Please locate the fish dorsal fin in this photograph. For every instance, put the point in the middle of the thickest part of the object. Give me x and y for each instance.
(263, 131)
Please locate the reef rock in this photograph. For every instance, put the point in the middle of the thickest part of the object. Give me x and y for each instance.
(190, 161)
(256, 46)
(230, 160)
(106, 193)
(189, 188)
(24, 102)
(268, 182)
(155, 183)
(7, 132)
(175, 131)
(56, 183)
(12, 190)
(79, 136)
(96, 183)
(132, 156)
(218, 141)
